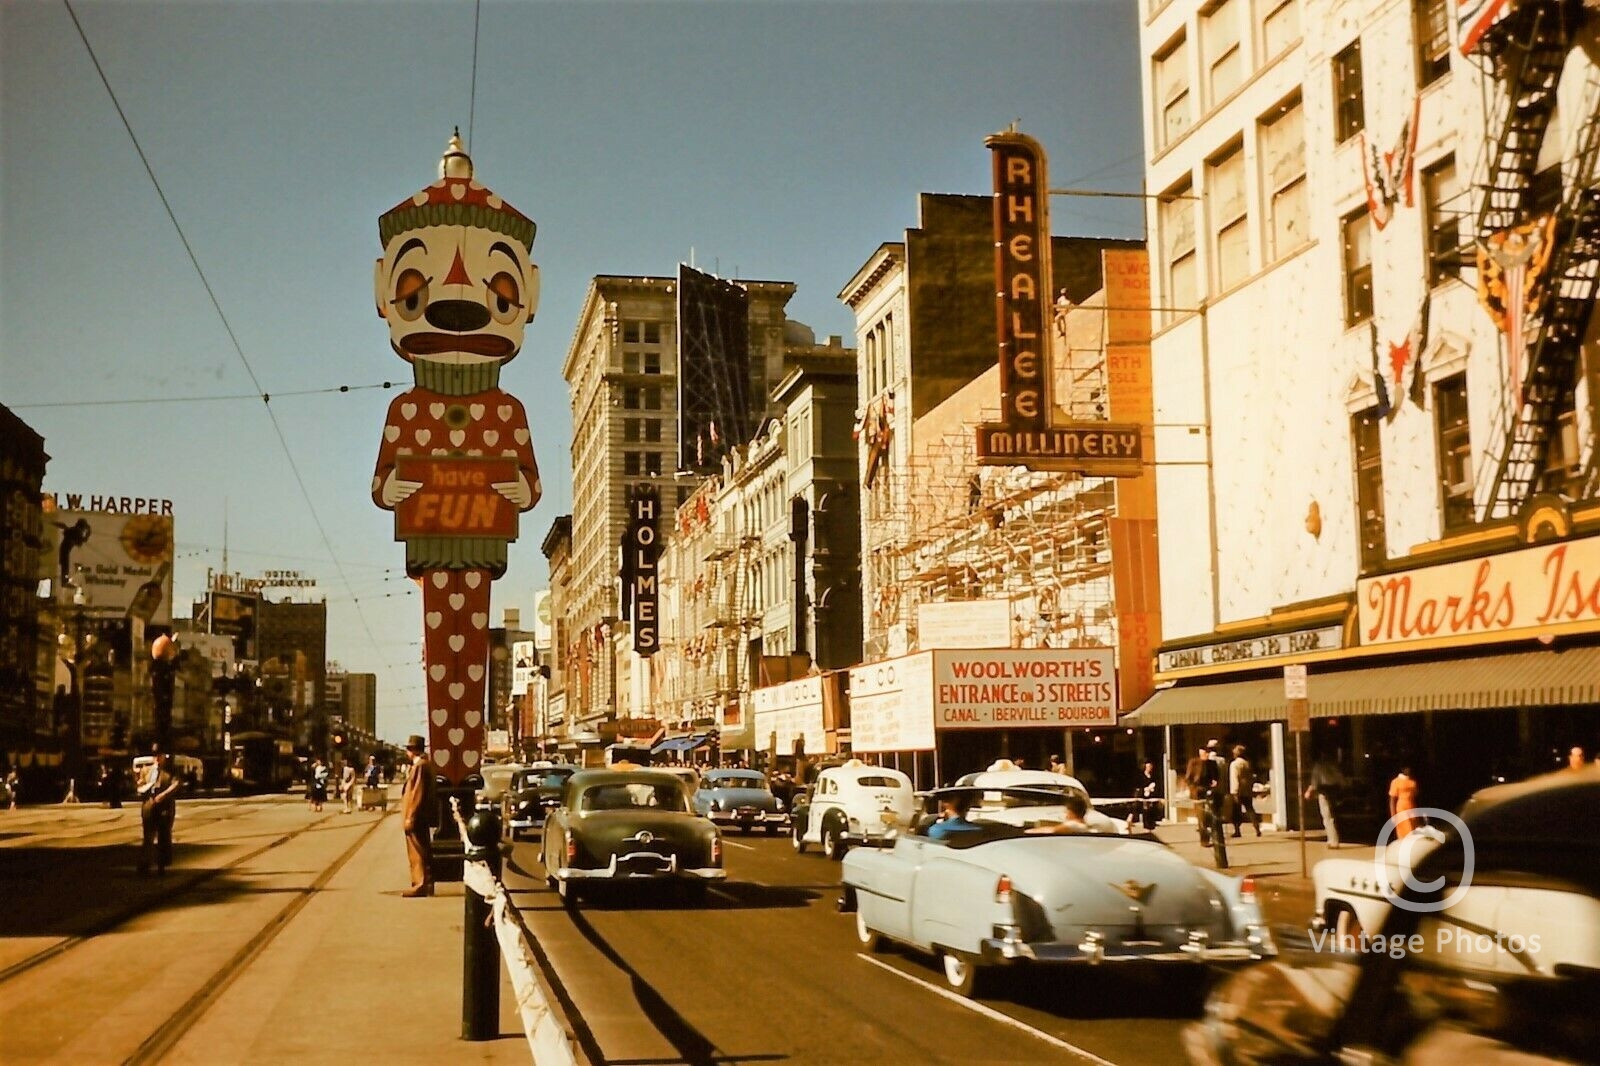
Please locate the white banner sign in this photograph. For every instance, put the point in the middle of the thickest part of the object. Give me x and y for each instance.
(524, 660)
(787, 711)
(891, 704)
(964, 624)
(1252, 650)
(1019, 688)
(1519, 593)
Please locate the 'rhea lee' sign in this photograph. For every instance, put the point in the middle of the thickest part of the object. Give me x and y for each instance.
(1026, 435)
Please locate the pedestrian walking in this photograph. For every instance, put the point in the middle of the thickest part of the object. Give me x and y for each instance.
(317, 794)
(419, 811)
(1327, 781)
(1057, 766)
(13, 789)
(1242, 787)
(1148, 790)
(158, 808)
(1576, 759)
(347, 786)
(1204, 783)
(1403, 800)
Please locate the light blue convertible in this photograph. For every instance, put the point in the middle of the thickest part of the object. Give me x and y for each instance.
(742, 798)
(1000, 894)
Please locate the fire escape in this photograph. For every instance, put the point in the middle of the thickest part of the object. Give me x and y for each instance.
(1528, 50)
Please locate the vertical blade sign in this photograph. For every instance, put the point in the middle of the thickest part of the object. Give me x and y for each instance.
(1022, 274)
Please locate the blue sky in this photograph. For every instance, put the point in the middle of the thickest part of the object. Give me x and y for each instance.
(777, 140)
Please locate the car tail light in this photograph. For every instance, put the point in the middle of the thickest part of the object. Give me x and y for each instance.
(716, 851)
(572, 850)
(1002, 889)
(1247, 886)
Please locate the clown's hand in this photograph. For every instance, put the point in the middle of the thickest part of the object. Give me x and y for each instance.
(522, 494)
(396, 490)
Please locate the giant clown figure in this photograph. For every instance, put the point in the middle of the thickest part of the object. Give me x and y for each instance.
(457, 286)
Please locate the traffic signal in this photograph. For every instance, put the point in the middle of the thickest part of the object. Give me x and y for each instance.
(338, 742)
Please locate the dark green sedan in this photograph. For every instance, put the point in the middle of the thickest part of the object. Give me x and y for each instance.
(629, 826)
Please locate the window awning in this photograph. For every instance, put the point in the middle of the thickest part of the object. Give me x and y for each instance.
(681, 744)
(1542, 678)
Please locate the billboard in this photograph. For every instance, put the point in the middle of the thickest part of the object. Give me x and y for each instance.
(233, 615)
(543, 620)
(788, 713)
(964, 624)
(524, 661)
(715, 409)
(121, 562)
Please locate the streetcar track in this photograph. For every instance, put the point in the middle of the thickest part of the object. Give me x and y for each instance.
(170, 1032)
(143, 906)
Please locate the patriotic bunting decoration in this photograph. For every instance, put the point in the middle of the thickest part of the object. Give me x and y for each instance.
(1388, 175)
(1406, 358)
(1379, 385)
(1473, 19)
(1510, 265)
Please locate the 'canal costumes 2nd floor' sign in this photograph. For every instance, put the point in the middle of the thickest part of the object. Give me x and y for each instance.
(1545, 589)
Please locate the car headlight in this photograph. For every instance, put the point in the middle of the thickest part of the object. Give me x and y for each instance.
(778, 804)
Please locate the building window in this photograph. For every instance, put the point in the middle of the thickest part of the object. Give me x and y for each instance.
(652, 463)
(1430, 23)
(1563, 459)
(1182, 293)
(630, 430)
(631, 398)
(1280, 28)
(1349, 112)
(630, 332)
(1225, 193)
(871, 348)
(652, 333)
(630, 463)
(1357, 268)
(684, 492)
(1281, 144)
(652, 362)
(1224, 57)
(1172, 92)
(652, 398)
(652, 430)
(1369, 489)
(1455, 450)
(1442, 216)
(630, 362)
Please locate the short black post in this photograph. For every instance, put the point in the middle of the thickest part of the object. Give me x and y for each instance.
(480, 971)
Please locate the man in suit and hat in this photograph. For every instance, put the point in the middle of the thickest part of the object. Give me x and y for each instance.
(419, 809)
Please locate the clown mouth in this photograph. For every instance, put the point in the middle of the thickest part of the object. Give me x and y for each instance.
(474, 343)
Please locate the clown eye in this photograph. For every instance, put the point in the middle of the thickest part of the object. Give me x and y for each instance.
(410, 294)
(504, 297)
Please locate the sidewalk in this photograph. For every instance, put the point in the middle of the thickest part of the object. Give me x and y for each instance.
(1273, 859)
(361, 974)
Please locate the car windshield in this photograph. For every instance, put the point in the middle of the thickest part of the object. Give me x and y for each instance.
(551, 778)
(632, 795)
(1036, 797)
(875, 781)
(737, 781)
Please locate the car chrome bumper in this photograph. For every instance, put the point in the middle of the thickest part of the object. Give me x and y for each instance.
(759, 818)
(1094, 949)
(662, 866)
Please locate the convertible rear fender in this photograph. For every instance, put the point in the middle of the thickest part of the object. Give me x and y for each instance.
(957, 904)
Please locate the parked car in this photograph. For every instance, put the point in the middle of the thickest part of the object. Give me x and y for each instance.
(850, 804)
(533, 794)
(1350, 893)
(742, 798)
(991, 806)
(1508, 971)
(628, 825)
(1001, 895)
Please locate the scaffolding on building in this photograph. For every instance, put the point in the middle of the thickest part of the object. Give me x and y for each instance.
(1037, 539)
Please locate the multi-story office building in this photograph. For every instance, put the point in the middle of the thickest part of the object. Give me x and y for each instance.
(1374, 233)
(23, 687)
(925, 328)
(360, 703)
(293, 644)
(622, 371)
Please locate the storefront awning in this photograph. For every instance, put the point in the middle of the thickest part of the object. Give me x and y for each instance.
(1544, 678)
(681, 744)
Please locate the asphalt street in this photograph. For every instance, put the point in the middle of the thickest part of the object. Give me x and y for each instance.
(769, 970)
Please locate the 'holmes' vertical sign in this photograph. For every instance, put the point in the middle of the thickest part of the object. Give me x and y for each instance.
(643, 552)
(1022, 273)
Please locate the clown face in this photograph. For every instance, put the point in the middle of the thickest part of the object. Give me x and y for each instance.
(456, 295)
